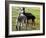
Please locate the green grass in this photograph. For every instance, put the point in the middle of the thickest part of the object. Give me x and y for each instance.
(34, 10)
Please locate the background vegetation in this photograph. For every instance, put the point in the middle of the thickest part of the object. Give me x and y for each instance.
(34, 10)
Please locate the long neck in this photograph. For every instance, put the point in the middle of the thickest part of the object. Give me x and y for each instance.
(23, 10)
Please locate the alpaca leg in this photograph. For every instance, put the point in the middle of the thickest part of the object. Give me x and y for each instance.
(33, 23)
(17, 26)
(21, 26)
(26, 24)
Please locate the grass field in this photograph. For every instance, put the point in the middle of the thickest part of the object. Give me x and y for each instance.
(34, 10)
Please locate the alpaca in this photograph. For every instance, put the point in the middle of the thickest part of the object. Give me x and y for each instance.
(29, 17)
(21, 20)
